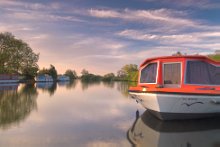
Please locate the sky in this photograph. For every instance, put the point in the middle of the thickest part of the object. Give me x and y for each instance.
(102, 36)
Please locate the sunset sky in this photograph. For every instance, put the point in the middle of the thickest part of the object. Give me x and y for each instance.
(103, 35)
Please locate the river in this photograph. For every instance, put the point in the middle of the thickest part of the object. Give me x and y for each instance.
(91, 114)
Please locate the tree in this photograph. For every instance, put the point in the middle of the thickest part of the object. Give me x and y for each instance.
(16, 57)
(53, 72)
(127, 69)
(84, 72)
(43, 71)
(71, 74)
(128, 72)
(109, 77)
(178, 53)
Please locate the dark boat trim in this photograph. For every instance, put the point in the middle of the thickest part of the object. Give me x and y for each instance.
(182, 116)
(177, 93)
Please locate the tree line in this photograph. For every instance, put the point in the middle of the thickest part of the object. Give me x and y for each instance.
(17, 57)
(128, 72)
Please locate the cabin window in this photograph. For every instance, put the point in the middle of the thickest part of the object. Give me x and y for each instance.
(172, 74)
(200, 72)
(149, 73)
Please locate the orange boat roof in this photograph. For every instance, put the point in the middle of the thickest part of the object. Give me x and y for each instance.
(179, 57)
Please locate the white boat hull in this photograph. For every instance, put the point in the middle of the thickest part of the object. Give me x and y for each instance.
(179, 106)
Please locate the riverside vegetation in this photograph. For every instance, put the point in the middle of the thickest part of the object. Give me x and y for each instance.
(17, 57)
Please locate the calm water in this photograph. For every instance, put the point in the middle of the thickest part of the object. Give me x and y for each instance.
(91, 114)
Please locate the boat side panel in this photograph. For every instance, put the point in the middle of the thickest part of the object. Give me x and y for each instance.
(176, 103)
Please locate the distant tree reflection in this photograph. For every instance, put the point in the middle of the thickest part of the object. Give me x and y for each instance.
(123, 87)
(49, 87)
(109, 84)
(72, 84)
(87, 84)
(15, 105)
(68, 84)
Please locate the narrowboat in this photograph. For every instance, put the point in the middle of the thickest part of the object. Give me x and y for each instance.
(8, 78)
(179, 87)
(44, 78)
(63, 78)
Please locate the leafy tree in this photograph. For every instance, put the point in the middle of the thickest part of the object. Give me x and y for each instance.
(53, 72)
(16, 57)
(128, 72)
(43, 71)
(178, 53)
(84, 72)
(109, 77)
(90, 78)
(215, 57)
(71, 74)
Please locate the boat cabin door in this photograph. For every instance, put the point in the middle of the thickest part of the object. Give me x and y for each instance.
(172, 74)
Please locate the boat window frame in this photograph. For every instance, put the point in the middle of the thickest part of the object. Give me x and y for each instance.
(139, 80)
(181, 75)
(186, 71)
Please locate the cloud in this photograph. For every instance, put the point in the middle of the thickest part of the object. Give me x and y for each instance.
(42, 17)
(201, 4)
(30, 5)
(104, 13)
(176, 38)
(141, 35)
(167, 16)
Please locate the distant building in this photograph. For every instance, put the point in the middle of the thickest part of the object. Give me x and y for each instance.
(63, 78)
(217, 52)
(44, 78)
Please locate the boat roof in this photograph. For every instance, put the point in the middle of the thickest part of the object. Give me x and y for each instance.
(201, 57)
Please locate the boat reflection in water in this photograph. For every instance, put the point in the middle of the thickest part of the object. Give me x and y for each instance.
(49, 87)
(149, 131)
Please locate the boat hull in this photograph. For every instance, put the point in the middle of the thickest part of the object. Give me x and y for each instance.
(167, 106)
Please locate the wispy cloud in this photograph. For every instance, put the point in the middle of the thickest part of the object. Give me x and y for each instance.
(183, 37)
(167, 16)
(42, 16)
(201, 4)
(140, 35)
(30, 5)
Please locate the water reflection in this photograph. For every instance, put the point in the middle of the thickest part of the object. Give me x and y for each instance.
(87, 84)
(149, 131)
(15, 105)
(49, 87)
(9, 87)
(68, 84)
(124, 86)
(109, 84)
(121, 86)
